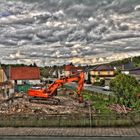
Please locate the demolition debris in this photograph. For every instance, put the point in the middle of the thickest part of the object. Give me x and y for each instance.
(21, 105)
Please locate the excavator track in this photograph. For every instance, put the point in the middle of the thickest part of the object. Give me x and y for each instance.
(49, 101)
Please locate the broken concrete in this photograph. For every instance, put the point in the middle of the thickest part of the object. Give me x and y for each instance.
(19, 104)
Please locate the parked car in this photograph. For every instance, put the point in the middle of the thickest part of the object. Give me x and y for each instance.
(106, 88)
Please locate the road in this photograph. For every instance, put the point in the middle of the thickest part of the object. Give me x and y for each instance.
(70, 133)
(67, 138)
(89, 87)
(97, 89)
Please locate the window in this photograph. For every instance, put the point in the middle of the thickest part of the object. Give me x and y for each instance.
(108, 72)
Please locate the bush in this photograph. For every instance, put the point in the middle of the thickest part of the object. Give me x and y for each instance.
(125, 88)
(100, 83)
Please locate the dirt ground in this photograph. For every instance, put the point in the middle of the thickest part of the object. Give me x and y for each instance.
(21, 105)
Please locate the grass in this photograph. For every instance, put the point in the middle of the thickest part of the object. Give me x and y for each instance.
(99, 101)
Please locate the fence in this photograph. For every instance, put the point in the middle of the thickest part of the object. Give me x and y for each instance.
(23, 88)
(73, 120)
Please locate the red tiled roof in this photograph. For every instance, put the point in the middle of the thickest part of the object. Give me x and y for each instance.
(68, 68)
(24, 73)
(71, 68)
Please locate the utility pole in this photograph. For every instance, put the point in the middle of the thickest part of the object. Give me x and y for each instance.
(90, 114)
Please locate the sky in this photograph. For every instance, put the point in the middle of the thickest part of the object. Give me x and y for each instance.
(57, 32)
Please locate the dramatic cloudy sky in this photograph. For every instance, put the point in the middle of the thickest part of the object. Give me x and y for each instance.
(62, 31)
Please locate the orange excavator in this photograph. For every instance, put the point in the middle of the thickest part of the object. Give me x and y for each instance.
(41, 94)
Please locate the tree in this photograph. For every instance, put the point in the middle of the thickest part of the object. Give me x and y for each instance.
(44, 72)
(89, 80)
(125, 87)
(34, 65)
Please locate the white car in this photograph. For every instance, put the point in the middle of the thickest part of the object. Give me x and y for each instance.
(106, 88)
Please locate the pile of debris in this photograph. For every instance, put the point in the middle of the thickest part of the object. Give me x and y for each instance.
(15, 105)
(120, 108)
(21, 105)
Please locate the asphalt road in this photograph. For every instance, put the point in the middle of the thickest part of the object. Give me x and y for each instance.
(97, 89)
(66, 138)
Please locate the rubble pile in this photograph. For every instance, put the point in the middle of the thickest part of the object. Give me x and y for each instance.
(21, 105)
(67, 105)
(15, 105)
(119, 108)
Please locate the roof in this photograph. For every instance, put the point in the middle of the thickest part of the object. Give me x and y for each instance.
(103, 67)
(135, 71)
(24, 73)
(68, 68)
(128, 66)
(71, 68)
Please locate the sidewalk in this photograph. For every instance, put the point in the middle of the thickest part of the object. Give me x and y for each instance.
(36, 131)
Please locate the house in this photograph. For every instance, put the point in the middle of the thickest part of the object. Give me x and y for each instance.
(133, 72)
(103, 71)
(61, 73)
(24, 75)
(71, 70)
(127, 67)
(5, 85)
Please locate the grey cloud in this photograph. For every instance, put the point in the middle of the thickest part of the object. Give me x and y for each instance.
(52, 39)
(8, 41)
(20, 36)
(24, 21)
(80, 11)
(77, 35)
(128, 35)
(44, 34)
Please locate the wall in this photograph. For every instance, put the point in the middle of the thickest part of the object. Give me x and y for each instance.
(2, 76)
(34, 81)
(102, 73)
(67, 73)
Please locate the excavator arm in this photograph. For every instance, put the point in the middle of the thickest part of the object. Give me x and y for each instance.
(58, 83)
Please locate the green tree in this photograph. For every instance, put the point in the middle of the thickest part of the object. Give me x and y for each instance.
(125, 88)
(44, 72)
(89, 80)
